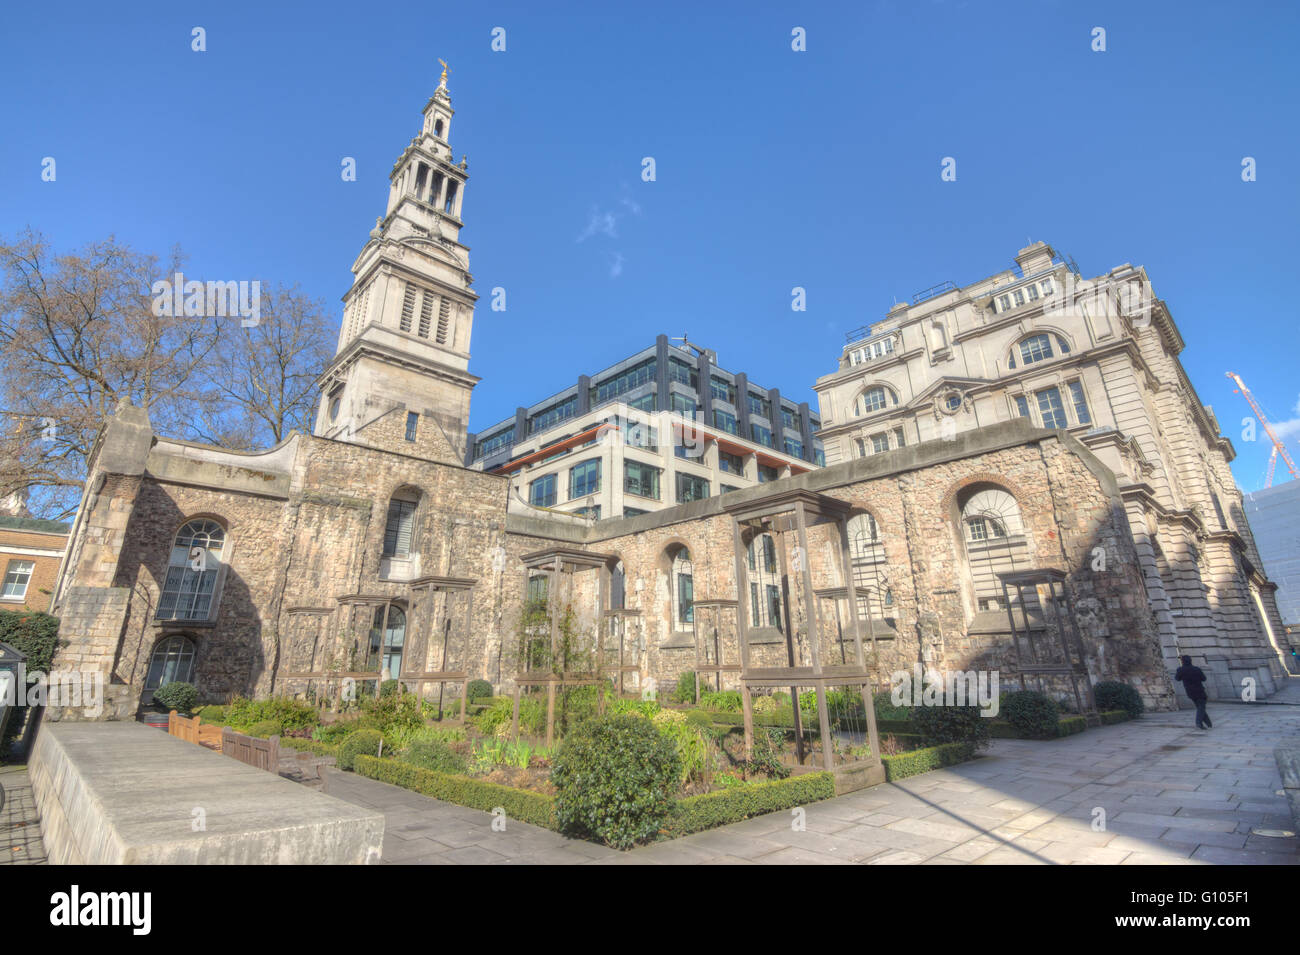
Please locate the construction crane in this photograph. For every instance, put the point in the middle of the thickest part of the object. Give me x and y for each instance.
(1278, 448)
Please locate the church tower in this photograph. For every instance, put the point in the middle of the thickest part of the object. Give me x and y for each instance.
(400, 378)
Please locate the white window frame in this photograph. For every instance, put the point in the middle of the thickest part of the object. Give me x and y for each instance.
(14, 569)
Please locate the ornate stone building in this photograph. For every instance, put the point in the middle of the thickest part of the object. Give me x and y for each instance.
(368, 550)
(1098, 359)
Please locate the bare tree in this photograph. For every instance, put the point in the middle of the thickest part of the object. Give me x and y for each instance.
(78, 333)
(262, 379)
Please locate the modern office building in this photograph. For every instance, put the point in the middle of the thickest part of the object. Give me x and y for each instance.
(1097, 358)
(663, 427)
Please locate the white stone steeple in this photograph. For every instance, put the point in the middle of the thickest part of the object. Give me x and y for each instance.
(403, 349)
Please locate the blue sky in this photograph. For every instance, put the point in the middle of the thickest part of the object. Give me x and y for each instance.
(775, 169)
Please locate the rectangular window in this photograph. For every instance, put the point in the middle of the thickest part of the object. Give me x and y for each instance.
(638, 435)
(1050, 408)
(790, 419)
(412, 424)
(725, 421)
(760, 406)
(641, 479)
(722, 390)
(682, 372)
(541, 493)
(1022, 406)
(819, 457)
(398, 529)
(1019, 297)
(17, 577)
(1004, 303)
(502, 439)
(793, 448)
(691, 488)
(548, 418)
(879, 443)
(624, 381)
(760, 434)
(767, 473)
(537, 587)
(1033, 292)
(584, 479)
(899, 440)
(644, 403)
(683, 405)
(731, 463)
(1080, 403)
(1046, 286)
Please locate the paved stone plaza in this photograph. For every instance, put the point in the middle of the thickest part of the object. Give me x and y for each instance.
(1171, 794)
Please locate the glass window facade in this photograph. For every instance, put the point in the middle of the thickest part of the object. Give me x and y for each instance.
(584, 479)
(641, 479)
(691, 488)
(541, 493)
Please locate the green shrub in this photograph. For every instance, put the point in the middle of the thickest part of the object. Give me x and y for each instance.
(615, 779)
(477, 690)
(725, 701)
(334, 733)
(265, 729)
(765, 757)
(691, 744)
(685, 692)
(181, 697)
(1034, 715)
(1112, 695)
(212, 714)
(431, 754)
(37, 636)
(1069, 725)
(950, 724)
(886, 710)
(536, 809)
(363, 742)
(737, 802)
(624, 707)
(1111, 717)
(309, 745)
(291, 714)
(392, 712)
(389, 688)
(923, 760)
(496, 719)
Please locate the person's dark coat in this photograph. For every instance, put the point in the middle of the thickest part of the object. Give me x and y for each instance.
(1193, 680)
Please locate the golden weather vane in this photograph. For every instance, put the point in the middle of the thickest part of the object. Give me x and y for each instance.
(444, 71)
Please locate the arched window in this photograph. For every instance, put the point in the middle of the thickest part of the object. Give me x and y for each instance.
(764, 583)
(874, 399)
(1037, 348)
(867, 558)
(192, 572)
(387, 638)
(995, 541)
(172, 662)
(617, 586)
(399, 529)
(437, 128)
(683, 584)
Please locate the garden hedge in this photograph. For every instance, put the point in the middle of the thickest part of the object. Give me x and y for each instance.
(697, 813)
(923, 760)
(309, 745)
(1111, 717)
(537, 809)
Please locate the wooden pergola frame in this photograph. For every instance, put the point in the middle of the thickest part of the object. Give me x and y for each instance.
(877, 631)
(795, 511)
(1070, 640)
(558, 563)
(618, 621)
(717, 667)
(430, 585)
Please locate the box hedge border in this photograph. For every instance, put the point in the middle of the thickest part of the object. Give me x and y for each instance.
(309, 745)
(923, 760)
(721, 808)
(538, 809)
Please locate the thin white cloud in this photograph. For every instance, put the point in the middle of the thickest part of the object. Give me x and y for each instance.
(616, 265)
(1290, 428)
(599, 223)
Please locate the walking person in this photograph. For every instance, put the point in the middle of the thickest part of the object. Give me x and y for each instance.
(1193, 680)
